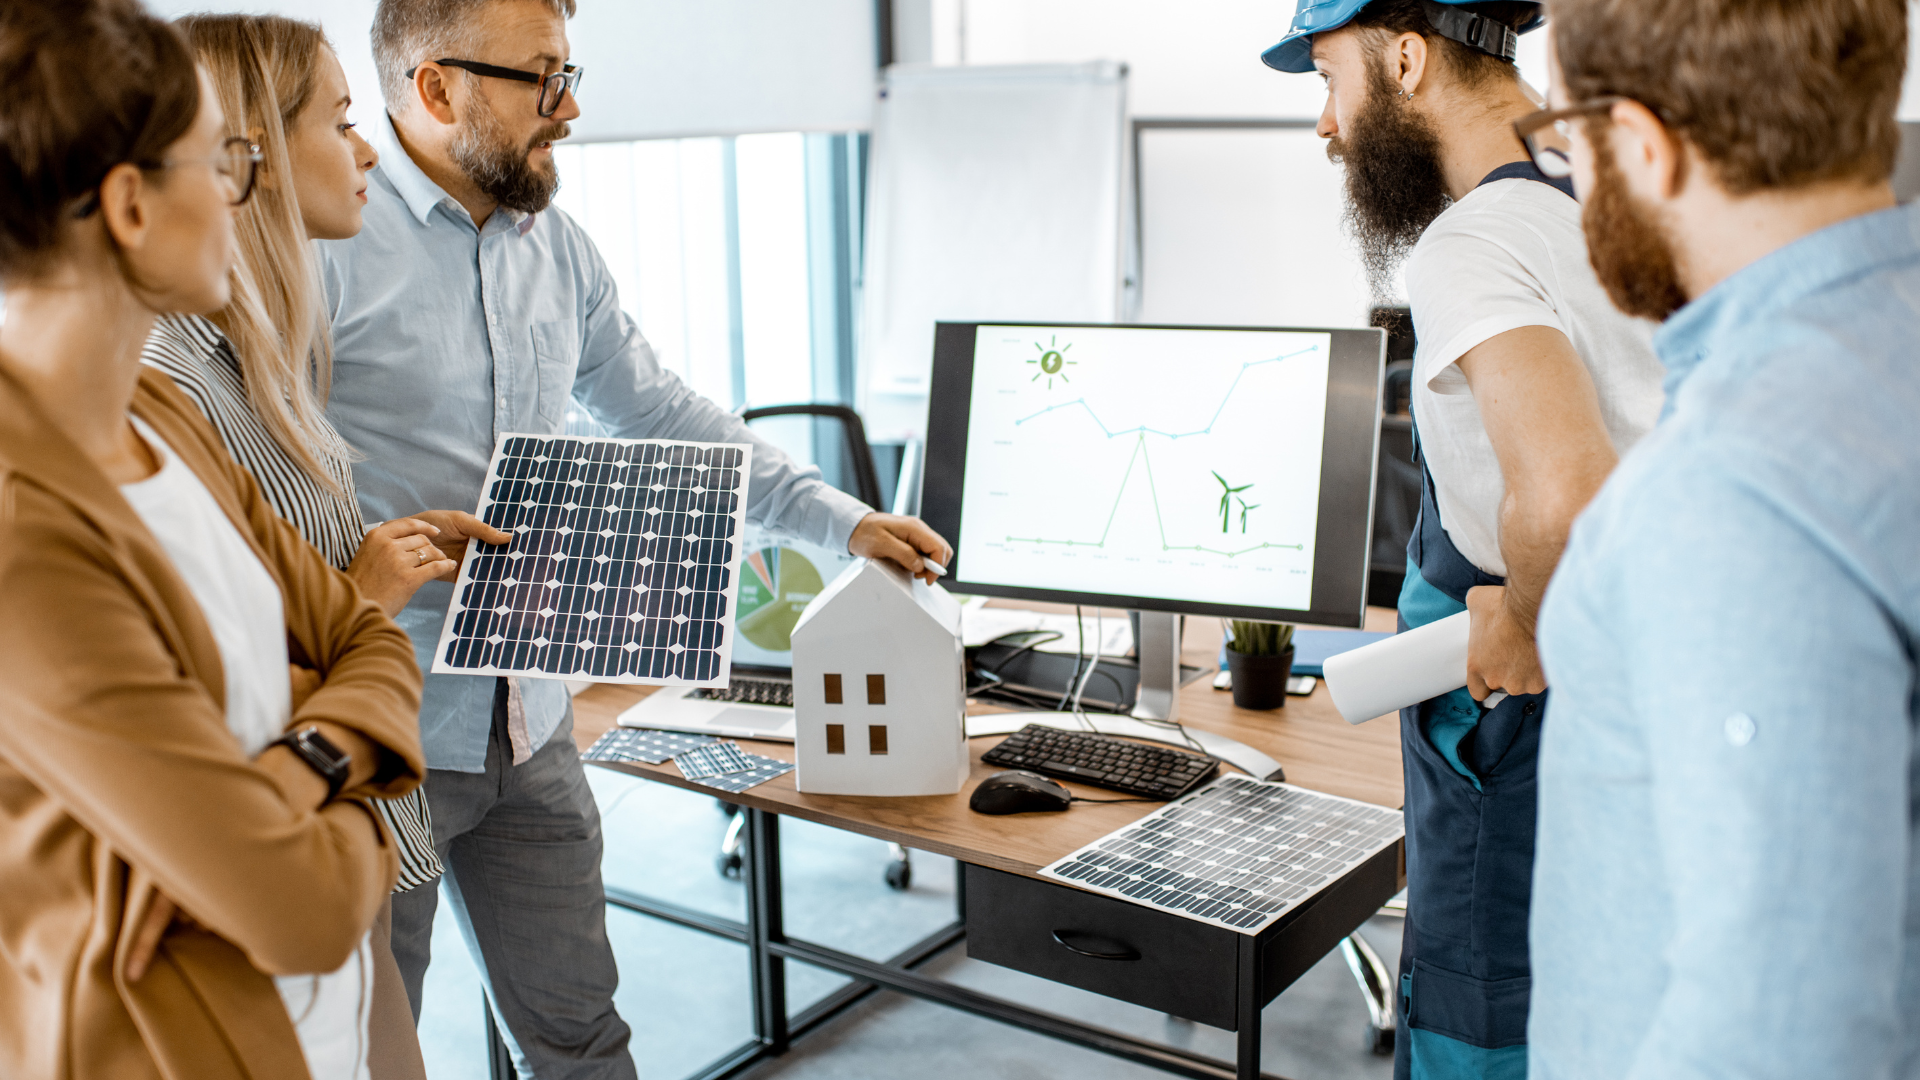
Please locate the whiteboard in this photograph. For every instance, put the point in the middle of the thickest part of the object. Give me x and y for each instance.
(998, 194)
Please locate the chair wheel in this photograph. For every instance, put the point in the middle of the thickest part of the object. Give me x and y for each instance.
(729, 864)
(1379, 1041)
(899, 876)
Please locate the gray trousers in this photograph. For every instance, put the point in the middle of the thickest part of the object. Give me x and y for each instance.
(521, 844)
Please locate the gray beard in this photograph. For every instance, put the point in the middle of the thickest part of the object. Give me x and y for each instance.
(499, 170)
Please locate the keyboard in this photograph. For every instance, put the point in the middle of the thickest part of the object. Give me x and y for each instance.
(1152, 772)
(750, 691)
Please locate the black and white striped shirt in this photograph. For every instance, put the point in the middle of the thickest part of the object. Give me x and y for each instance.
(200, 360)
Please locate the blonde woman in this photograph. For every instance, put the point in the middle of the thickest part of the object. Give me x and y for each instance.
(259, 367)
(158, 741)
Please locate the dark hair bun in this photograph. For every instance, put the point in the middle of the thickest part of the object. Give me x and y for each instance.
(90, 84)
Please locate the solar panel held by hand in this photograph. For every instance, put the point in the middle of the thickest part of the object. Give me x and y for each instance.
(622, 568)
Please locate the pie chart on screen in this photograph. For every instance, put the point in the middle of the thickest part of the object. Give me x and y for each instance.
(776, 584)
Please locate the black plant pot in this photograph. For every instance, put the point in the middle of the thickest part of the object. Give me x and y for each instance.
(1260, 682)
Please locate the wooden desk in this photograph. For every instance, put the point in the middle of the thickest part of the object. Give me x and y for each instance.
(1316, 747)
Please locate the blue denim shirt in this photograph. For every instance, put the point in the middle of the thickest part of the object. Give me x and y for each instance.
(448, 336)
(1726, 877)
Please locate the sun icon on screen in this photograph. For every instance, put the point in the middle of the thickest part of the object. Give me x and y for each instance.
(1052, 361)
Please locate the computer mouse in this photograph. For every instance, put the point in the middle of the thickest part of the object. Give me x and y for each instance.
(1018, 792)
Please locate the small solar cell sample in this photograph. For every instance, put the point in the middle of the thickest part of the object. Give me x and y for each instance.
(648, 745)
(712, 759)
(760, 770)
(1236, 853)
(622, 568)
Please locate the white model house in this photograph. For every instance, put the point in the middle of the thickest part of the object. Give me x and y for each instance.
(879, 689)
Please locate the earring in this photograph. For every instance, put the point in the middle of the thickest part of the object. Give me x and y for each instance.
(1406, 95)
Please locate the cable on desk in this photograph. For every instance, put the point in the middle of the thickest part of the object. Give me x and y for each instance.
(1044, 637)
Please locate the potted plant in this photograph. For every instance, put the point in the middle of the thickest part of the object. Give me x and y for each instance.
(1260, 657)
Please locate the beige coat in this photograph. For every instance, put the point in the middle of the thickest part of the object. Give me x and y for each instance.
(118, 775)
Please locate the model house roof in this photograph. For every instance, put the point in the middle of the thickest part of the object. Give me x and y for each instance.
(887, 579)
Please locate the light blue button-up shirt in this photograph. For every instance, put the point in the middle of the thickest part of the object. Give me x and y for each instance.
(447, 337)
(1726, 868)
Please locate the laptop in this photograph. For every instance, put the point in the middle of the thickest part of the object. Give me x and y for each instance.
(778, 577)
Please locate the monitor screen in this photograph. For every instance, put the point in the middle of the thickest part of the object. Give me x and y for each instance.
(1200, 469)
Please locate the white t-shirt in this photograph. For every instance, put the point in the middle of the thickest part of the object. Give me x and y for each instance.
(243, 609)
(1511, 254)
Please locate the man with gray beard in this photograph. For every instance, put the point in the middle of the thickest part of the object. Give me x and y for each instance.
(466, 309)
(1527, 386)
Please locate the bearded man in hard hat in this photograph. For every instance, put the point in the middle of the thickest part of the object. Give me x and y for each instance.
(1528, 385)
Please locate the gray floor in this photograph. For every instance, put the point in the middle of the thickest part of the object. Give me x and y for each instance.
(685, 994)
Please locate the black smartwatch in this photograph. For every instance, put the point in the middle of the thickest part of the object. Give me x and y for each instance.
(331, 762)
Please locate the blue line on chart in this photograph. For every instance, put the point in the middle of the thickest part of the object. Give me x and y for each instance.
(1143, 429)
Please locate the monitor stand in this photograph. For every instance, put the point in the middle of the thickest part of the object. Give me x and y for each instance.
(1157, 644)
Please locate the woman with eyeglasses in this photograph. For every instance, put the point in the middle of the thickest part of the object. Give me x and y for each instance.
(259, 369)
(199, 708)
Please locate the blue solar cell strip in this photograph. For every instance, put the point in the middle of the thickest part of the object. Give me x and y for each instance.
(622, 568)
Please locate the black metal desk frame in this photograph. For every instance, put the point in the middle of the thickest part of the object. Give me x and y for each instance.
(775, 1029)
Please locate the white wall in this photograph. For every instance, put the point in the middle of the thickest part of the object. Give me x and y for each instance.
(348, 24)
(1243, 226)
(658, 68)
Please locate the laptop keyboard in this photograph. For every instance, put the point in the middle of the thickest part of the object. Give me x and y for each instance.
(749, 691)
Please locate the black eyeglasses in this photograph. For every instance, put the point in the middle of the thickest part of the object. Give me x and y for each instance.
(1552, 161)
(552, 87)
(238, 161)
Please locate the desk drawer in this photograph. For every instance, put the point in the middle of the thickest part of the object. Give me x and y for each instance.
(1125, 951)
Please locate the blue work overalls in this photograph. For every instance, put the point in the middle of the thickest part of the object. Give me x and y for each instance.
(1464, 976)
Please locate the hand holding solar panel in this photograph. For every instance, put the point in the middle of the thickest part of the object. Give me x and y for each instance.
(622, 568)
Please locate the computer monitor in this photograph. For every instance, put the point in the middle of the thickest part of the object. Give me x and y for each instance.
(1201, 470)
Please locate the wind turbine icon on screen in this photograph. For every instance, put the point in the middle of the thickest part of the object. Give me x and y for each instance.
(1227, 493)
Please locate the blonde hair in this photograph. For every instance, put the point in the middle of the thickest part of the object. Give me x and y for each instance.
(263, 69)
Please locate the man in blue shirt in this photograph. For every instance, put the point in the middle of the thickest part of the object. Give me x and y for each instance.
(466, 309)
(1726, 871)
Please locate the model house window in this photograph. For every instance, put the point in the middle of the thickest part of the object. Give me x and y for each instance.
(877, 692)
(836, 738)
(833, 689)
(876, 737)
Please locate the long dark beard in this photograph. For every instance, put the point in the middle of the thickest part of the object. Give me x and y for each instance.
(1629, 250)
(500, 169)
(1395, 186)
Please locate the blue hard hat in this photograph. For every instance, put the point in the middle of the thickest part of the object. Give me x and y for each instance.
(1295, 51)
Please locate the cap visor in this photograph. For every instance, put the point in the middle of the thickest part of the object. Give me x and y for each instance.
(1294, 54)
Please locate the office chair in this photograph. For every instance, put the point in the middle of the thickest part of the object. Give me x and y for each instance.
(858, 463)
(856, 466)
(1396, 499)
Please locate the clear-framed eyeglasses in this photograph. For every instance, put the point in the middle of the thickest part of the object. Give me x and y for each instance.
(1546, 134)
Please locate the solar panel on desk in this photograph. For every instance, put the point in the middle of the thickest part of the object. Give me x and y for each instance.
(622, 566)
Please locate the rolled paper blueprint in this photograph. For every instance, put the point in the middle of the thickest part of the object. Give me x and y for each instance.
(1403, 670)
